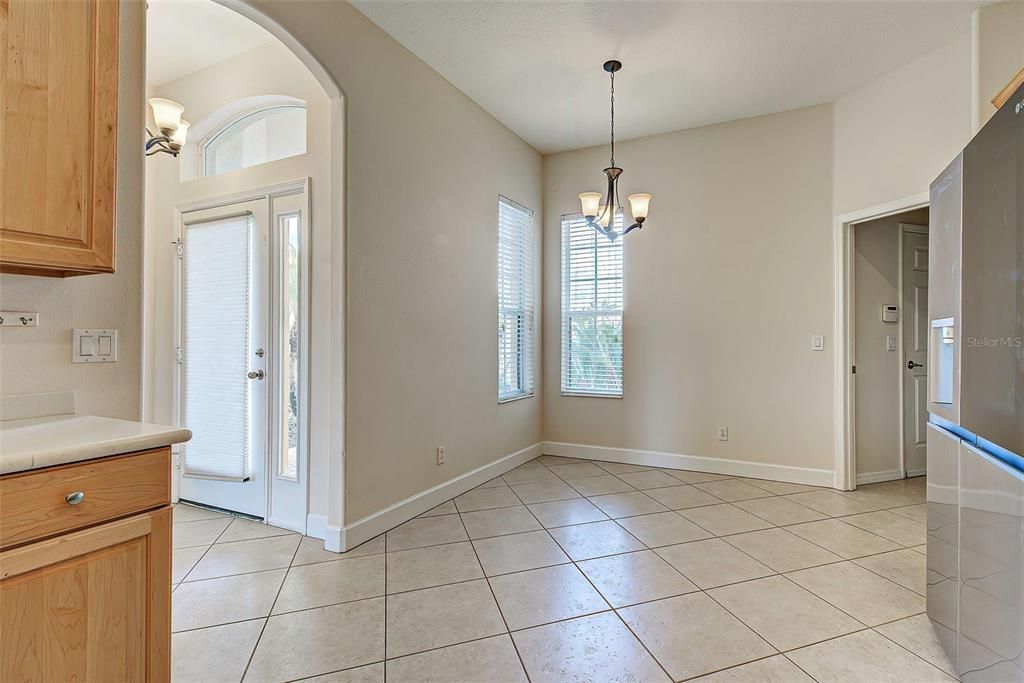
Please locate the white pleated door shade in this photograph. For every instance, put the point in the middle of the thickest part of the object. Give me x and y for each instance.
(216, 332)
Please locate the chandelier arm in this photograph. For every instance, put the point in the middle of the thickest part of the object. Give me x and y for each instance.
(157, 140)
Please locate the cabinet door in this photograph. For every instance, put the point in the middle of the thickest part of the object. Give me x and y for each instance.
(58, 129)
(89, 606)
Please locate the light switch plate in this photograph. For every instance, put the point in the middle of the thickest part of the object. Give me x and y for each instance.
(93, 346)
(818, 342)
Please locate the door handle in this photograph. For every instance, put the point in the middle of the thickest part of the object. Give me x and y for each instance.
(255, 374)
(911, 365)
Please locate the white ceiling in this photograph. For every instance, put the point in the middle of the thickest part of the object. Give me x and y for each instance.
(184, 36)
(536, 66)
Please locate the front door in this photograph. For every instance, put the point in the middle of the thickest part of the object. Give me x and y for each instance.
(915, 347)
(223, 341)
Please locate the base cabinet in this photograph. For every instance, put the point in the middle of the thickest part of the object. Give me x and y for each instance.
(92, 604)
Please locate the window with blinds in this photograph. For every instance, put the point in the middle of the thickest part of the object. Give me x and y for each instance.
(515, 300)
(591, 310)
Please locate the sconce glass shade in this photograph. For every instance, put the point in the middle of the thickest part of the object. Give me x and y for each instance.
(604, 218)
(180, 133)
(591, 203)
(166, 114)
(639, 204)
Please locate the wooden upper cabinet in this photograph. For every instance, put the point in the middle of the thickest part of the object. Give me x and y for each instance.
(58, 135)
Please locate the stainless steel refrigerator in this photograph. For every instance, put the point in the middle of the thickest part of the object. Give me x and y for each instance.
(976, 402)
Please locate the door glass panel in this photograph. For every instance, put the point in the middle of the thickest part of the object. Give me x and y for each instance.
(215, 339)
(289, 325)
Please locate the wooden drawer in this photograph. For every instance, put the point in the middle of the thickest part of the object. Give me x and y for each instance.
(33, 505)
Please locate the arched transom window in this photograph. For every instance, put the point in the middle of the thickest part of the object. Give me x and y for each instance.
(255, 137)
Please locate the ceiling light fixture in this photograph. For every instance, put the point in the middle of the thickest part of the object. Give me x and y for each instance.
(600, 216)
(167, 116)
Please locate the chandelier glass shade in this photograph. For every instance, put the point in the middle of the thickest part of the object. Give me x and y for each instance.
(173, 129)
(600, 215)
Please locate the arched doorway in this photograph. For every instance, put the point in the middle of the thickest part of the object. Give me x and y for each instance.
(326, 275)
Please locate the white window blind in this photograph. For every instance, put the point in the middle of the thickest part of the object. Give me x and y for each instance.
(215, 345)
(515, 300)
(591, 310)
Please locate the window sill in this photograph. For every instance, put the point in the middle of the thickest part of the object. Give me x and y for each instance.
(513, 399)
(577, 394)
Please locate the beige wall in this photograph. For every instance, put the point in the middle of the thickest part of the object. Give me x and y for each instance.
(38, 359)
(268, 70)
(725, 285)
(879, 372)
(424, 168)
(894, 135)
(997, 41)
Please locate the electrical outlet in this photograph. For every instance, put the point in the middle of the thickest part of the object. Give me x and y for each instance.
(723, 433)
(442, 454)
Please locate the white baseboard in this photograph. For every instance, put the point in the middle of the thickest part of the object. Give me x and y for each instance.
(917, 473)
(876, 477)
(739, 468)
(332, 535)
(373, 525)
(316, 525)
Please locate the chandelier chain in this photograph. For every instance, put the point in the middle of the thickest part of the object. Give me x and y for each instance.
(613, 118)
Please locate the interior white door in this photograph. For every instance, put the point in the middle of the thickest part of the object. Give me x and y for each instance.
(223, 335)
(915, 348)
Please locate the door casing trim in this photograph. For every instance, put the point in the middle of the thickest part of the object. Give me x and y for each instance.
(298, 186)
(844, 389)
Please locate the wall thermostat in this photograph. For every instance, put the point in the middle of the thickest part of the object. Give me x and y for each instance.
(890, 313)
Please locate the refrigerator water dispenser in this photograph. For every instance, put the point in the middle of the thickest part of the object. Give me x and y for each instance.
(943, 361)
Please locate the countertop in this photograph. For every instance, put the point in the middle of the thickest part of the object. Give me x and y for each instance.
(60, 439)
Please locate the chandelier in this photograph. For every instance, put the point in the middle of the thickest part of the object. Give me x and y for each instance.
(173, 129)
(601, 216)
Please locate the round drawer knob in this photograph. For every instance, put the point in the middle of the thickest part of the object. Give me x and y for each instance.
(74, 498)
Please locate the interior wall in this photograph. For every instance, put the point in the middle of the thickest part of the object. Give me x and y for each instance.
(271, 69)
(424, 167)
(38, 359)
(879, 429)
(724, 288)
(896, 134)
(997, 42)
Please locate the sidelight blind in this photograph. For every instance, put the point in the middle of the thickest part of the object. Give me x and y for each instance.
(515, 300)
(215, 346)
(592, 302)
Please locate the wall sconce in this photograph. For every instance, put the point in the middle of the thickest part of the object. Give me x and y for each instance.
(173, 129)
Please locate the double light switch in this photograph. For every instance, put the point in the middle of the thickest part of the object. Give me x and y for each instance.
(94, 346)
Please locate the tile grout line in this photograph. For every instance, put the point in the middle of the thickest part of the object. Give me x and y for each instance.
(776, 574)
(490, 588)
(575, 563)
(266, 621)
(208, 549)
(607, 602)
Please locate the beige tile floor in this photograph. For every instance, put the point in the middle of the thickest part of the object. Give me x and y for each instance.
(565, 570)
